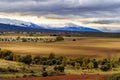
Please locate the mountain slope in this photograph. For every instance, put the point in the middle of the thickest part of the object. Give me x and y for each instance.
(16, 25)
(73, 27)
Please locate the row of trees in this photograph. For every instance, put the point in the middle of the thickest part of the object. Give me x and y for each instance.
(19, 39)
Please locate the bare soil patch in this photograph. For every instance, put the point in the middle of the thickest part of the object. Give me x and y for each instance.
(70, 77)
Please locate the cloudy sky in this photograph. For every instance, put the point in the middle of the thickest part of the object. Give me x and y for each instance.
(91, 13)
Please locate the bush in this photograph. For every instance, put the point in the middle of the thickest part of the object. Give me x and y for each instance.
(44, 63)
(51, 56)
(59, 38)
(55, 68)
(24, 40)
(74, 40)
(95, 64)
(24, 76)
(31, 71)
(105, 67)
(61, 68)
(9, 57)
(7, 54)
(37, 59)
(26, 59)
(44, 68)
(44, 74)
(72, 63)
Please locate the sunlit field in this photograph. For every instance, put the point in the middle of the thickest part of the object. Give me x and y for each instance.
(94, 47)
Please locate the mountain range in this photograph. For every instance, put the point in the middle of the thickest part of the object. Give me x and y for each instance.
(16, 25)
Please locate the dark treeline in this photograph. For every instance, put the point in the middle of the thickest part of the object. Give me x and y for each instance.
(30, 39)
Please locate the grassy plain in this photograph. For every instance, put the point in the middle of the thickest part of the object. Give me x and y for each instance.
(94, 47)
(69, 71)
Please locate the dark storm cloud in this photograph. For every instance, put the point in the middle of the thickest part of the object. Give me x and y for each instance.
(103, 22)
(83, 8)
(107, 22)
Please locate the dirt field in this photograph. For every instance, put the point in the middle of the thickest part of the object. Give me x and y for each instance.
(70, 77)
(89, 47)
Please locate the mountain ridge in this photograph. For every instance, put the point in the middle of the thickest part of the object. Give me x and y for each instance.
(16, 25)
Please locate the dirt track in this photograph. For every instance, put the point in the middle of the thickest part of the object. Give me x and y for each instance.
(70, 77)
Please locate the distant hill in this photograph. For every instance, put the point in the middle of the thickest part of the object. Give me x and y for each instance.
(16, 25)
(8, 28)
(73, 27)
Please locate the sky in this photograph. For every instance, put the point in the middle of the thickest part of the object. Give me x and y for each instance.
(99, 14)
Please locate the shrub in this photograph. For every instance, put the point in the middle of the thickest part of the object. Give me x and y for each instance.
(59, 38)
(31, 71)
(26, 59)
(90, 65)
(7, 54)
(95, 64)
(24, 40)
(105, 67)
(61, 68)
(51, 62)
(24, 76)
(74, 40)
(44, 74)
(44, 68)
(51, 56)
(58, 62)
(36, 59)
(55, 68)
(77, 65)
(72, 63)
(44, 63)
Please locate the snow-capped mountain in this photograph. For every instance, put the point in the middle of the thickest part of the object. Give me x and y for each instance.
(73, 27)
(16, 25)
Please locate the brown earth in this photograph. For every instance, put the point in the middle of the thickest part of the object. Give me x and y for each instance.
(88, 47)
(70, 77)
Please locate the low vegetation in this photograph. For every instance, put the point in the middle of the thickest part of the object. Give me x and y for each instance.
(31, 39)
(114, 77)
(54, 65)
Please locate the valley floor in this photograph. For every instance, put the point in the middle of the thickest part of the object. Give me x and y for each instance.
(94, 47)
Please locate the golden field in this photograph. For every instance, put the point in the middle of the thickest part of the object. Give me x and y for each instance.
(94, 47)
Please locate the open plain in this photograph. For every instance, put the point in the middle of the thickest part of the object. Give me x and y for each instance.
(94, 47)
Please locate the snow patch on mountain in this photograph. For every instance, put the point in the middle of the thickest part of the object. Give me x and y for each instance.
(63, 27)
(14, 22)
(19, 23)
